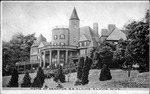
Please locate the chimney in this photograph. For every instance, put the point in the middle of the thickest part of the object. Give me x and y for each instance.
(104, 35)
(111, 27)
(95, 28)
(104, 32)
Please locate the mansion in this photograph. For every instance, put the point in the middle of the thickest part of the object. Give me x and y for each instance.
(68, 43)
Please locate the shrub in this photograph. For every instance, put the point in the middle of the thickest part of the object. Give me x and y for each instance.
(59, 76)
(14, 79)
(39, 77)
(105, 73)
(37, 82)
(80, 67)
(86, 68)
(26, 80)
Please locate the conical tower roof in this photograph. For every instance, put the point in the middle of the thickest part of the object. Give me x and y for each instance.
(74, 15)
(40, 39)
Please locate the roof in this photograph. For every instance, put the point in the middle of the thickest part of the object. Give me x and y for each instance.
(84, 37)
(46, 43)
(90, 35)
(124, 31)
(40, 39)
(74, 15)
(42, 44)
(116, 35)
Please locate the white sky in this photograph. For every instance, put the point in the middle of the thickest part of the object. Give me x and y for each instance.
(40, 17)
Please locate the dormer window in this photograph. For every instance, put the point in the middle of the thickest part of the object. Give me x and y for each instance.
(85, 43)
(80, 44)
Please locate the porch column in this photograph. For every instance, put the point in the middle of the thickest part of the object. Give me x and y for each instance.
(40, 59)
(44, 60)
(66, 57)
(50, 59)
(71, 57)
(58, 54)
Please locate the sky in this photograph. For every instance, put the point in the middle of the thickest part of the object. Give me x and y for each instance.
(40, 17)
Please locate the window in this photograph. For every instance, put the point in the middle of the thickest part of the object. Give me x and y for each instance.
(62, 36)
(55, 37)
(85, 43)
(74, 39)
(62, 43)
(75, 26)
(55, 44)
(115, 43)
(80, 44)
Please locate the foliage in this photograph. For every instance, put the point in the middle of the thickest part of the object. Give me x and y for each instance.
(36, 83)
(137, 50)
(105, 74)
(111, 45)
(86, 69)
(17, 49)
(80, 67)
(14, 79)
(119, 54)
(59, 76)
(39, 79)
(26, 80)
(105, 56)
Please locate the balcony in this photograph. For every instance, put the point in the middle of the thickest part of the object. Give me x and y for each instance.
(59, 47)
(60, 27)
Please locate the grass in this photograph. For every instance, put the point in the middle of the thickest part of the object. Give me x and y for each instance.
(119, 79)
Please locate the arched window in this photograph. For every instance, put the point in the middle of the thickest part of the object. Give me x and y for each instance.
(62, 36)
(55, 37)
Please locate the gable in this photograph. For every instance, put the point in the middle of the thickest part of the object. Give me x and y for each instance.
(116, 35)
(41, 45)
(89, 34)
(84, 38)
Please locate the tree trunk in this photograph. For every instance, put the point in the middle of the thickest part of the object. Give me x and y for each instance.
(129, 70)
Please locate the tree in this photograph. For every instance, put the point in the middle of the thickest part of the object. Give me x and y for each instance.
(14, 79)
(17, 49)
(119, 54)
(106, 55)
(26, 80)
(7, 60)
(138, 48)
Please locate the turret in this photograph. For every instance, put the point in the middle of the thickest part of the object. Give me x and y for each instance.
(74, 28)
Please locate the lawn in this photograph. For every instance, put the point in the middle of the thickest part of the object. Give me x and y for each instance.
(119, 79)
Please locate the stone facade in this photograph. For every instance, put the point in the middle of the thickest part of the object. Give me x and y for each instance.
(68, 43)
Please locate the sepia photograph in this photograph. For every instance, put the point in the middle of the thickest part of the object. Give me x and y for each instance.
(75, 46)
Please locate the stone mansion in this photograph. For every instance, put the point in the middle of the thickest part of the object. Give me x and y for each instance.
(69, 43)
